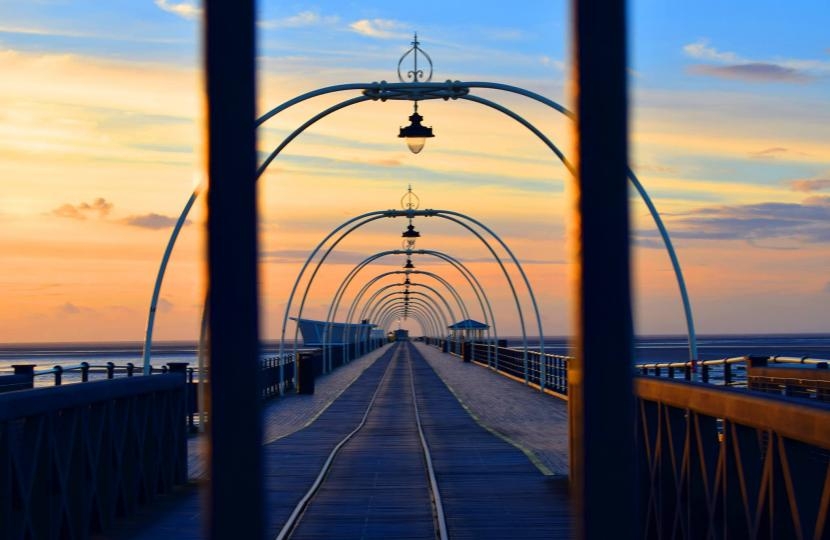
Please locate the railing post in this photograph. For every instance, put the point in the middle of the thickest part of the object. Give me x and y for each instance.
(727, 373)
(58, 375)
(84, 371)
(110, 370)
(704, 373)
(130, 369)
(28, 371)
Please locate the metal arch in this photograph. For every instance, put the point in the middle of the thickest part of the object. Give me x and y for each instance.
(416, 313)
(393, 315)
(335, 304)
(678, 273)
(378, 278)
(368, 311)
(388, 314)
(413, 305)
(509, 282)
(363, 315)
(391, 214)
(428, 274)
(431, 299)
(445, 214)
(168, 251)
(296, 133)
(475, 285)
(422, 91)
(396, 311)
(460, 90)
(369, 216)
(655, 215)
(471, 278)
(396, 295)
(336, 301)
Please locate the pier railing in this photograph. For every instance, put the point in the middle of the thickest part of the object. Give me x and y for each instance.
(548, 372)
(789, 376)
(77, 457)
(717, 462)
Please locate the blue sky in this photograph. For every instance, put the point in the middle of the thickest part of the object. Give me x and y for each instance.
(730, 130)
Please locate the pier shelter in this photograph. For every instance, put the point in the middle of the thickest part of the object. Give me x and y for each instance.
(323, 333)
(467, 330)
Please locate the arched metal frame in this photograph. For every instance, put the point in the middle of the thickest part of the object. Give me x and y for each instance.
(368, 312)
(456, 296)
(396, 312)
(478, 290)
(391, 302)
(410, 213)
(421, 91)
(475, 285)
(374, 280)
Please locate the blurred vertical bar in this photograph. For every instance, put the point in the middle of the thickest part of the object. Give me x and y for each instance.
(601, 398)
(235, 499)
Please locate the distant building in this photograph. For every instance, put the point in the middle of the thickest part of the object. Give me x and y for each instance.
(468, 330)
(322, 333)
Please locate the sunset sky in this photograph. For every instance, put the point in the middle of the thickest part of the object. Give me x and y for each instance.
(101, 145)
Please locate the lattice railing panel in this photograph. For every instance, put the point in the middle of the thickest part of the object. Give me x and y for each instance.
(721, 463)
(75, 458)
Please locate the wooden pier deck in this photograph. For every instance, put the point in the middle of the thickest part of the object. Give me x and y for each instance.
(378, 485)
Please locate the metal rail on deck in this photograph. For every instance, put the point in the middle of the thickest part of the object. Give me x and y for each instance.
(294, 519)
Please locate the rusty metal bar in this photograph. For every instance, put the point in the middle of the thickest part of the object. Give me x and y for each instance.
(235, 427)
(601, 403)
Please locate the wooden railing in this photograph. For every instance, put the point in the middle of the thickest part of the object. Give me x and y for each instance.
(75, 458)
(789, 376)
(719, 462)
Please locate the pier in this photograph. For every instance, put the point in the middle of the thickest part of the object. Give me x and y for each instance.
(498, 469)
(364, 429)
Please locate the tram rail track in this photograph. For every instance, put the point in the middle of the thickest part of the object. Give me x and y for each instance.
(401, 354)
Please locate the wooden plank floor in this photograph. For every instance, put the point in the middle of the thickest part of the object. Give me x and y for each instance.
(490, 488)
(377, 486)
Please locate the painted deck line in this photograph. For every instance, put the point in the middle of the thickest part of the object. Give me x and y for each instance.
(490, 490)
(377, 486)
(290, 463)
(535, 423)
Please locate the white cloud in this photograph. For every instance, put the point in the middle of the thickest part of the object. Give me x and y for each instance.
(380, 28)
(302, 19)
(186, 10)
(550, 62)
(702, 51)
(734, 66)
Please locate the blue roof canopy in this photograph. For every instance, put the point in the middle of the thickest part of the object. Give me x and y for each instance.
(468, 324)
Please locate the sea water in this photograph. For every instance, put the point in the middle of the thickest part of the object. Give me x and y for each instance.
(646, 349)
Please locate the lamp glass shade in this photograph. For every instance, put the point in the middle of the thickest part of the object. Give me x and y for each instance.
(415, 144)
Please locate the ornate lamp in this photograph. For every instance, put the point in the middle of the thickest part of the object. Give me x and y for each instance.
(416, 135)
